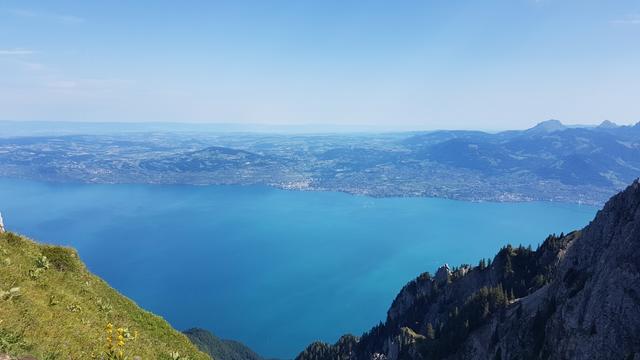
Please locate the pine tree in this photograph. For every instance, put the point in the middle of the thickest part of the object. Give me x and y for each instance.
(508, 267)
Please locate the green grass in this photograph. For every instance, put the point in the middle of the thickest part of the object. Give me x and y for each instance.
(54, 308)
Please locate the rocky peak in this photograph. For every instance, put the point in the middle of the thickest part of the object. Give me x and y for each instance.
(442, 274)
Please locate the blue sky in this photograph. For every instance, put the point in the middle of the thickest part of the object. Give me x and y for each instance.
(382, 64)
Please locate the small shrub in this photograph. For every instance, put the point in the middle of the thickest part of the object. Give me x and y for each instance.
(42, 262)
(103, 305)
(12, 341)
(34, 274)
(74, 308)
(60, 258)
(13, 239)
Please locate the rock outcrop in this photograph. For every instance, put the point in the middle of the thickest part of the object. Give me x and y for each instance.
(575, 297)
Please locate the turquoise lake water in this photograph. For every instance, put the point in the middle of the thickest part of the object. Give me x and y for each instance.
(274, 269)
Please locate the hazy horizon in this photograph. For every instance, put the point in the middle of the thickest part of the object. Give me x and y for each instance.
(411, 65)
(52, 127)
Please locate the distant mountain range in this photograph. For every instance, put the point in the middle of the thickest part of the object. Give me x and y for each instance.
(602, 156)
(549, 161)
(575, 297)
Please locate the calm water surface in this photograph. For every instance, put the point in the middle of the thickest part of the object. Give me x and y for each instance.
(274, 269)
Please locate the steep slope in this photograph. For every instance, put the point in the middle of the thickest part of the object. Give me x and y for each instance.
(52, 307)
(220, 349)
(576, 297)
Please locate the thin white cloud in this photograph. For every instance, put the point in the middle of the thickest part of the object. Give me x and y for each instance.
(59, 18)
(86, 84)
(63, 84)
(628, 20)
(33, 66)
(18, 51)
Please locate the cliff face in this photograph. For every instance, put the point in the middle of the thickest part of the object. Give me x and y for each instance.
(576, 297)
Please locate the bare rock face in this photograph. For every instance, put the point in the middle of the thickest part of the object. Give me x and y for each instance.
(597, 292)
(591, 310)
(576, 297)
(442, 274)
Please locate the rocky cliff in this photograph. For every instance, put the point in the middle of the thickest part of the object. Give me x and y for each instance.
(575, 297)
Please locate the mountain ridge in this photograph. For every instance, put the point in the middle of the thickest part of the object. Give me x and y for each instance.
(220, 349)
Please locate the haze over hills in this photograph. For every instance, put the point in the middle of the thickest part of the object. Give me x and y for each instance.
(550, 161)
(575, 297)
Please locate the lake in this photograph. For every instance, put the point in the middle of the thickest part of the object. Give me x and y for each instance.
(274, 269)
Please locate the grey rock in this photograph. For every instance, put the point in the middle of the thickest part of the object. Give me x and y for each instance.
(442, 274)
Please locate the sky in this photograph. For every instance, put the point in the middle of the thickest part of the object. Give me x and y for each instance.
(400, 64)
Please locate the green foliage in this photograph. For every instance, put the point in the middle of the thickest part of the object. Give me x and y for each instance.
(42, 262)
(12, 238)
(11, 342)
(476, 310)
(483, 264)
(521, 271)
(62, 259)
(41, 265)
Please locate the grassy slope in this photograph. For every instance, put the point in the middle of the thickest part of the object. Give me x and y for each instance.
(61, 313)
